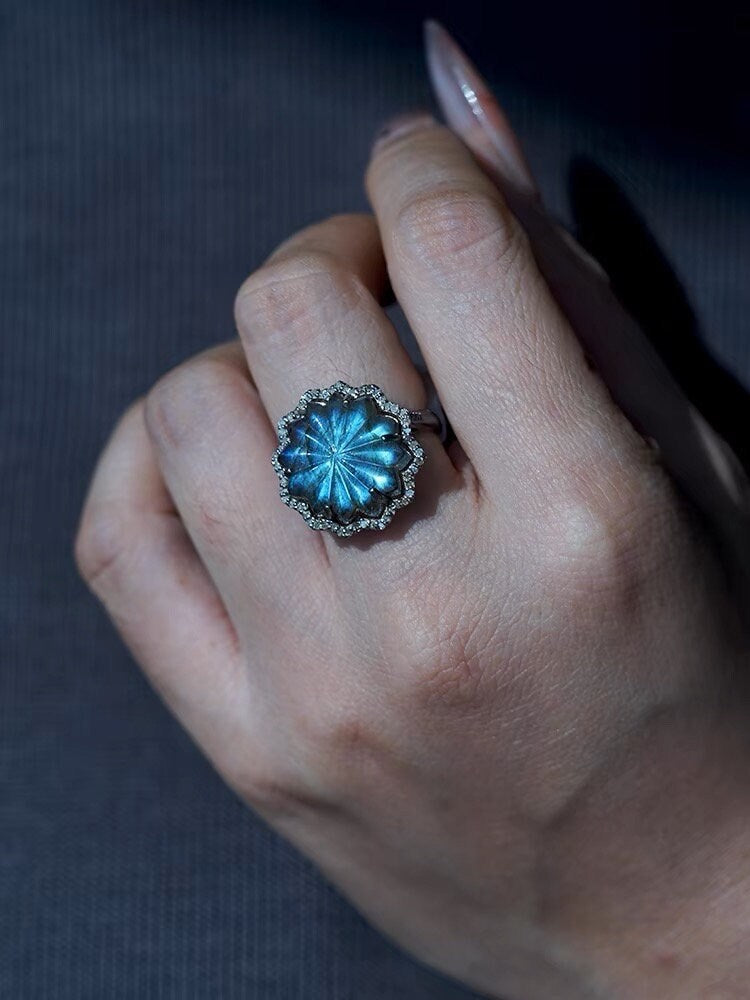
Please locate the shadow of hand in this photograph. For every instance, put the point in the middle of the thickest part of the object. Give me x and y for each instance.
(611, 230)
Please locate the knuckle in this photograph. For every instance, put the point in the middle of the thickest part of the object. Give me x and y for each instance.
(343, 746)
(445, 227)
(342, 742)
(104, 544)
(181, 400)
(283, 296)
(609, 542)
(454, 681)
(280, 785)
(353, 748)
(277, 795)
(456, 677)
(439, 646)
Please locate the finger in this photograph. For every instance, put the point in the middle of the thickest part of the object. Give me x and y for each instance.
(640, 382)
(508, 368)
(311, 316)
(135, 555)
(468, 106)
(213, 442)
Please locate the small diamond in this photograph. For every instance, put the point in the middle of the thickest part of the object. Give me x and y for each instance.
(347, 458)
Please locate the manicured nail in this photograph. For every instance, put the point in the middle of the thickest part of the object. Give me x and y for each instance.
(472, 111)
(401, 125)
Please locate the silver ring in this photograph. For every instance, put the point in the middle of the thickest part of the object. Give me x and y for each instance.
(348, 456)
(426, 420)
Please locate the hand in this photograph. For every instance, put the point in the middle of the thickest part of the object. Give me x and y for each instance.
(513, 727)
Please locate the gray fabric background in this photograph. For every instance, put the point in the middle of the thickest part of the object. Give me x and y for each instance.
(151, 154)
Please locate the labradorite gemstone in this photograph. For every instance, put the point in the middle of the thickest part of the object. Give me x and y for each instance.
(345, 458)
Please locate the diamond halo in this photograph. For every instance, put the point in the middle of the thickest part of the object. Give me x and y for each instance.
(326, 521)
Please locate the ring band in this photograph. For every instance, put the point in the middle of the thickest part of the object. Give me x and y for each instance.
(425, 420)
(347, 457)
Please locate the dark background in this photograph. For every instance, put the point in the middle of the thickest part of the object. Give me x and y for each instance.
(150, 154)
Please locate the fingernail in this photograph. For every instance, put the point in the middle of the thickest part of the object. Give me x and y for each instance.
(401, 125)
(472, 111)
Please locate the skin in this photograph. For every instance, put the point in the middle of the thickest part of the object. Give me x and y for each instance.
(512, 728)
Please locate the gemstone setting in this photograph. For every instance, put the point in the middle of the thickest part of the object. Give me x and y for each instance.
(347, 458)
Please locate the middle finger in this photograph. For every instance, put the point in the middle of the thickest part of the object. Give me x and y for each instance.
(510, 371)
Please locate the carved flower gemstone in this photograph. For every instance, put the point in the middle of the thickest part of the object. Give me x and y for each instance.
(343, 458)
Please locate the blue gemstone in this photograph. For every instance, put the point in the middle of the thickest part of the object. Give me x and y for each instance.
(344, 458)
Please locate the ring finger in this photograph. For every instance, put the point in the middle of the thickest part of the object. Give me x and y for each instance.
(310, 316)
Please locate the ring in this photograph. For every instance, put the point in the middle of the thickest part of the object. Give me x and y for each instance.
(347, 457)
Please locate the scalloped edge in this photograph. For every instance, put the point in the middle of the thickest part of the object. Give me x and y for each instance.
(387, 406)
